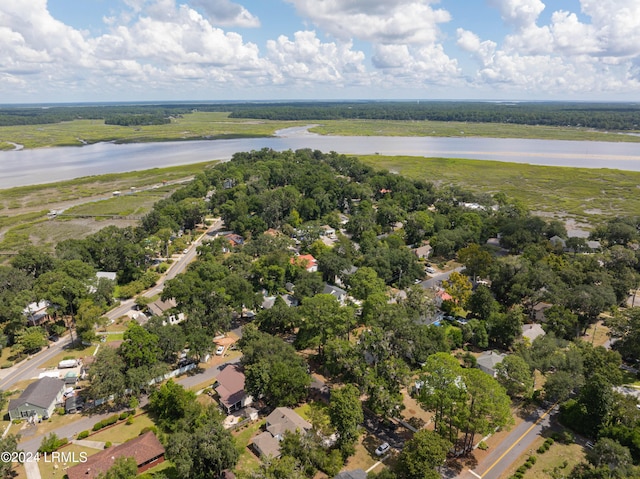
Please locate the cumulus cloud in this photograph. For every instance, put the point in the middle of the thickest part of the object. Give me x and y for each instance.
(376, 21)
(567, 55)
(519, 13)
(226, 13)
(308, 59)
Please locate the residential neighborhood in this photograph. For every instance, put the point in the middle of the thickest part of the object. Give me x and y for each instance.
(258, 326)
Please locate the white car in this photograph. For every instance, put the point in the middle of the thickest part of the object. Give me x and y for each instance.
(219, 350)
(383, 449)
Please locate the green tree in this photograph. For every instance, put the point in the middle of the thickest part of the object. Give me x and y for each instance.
(365, 282)
(459, 287)
(481, 304)
(30, 340)
(476, 260)
(139, 348)
(442, 392)
(122, 468)
(607, 452)
(171, 403)
(345, 411)
(516, 376)
(202, 448)
(8, 443)
(421, 455)
(273, 370)
(323, 318)
(106, 375)
(488, 406)
(33, 260)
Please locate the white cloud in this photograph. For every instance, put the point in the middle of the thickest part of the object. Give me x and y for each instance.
(307, 59)
(567, 55)
(376, 21)
(226, 13)
(519, 13)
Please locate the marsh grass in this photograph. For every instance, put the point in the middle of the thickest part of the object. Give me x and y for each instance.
(193, 126)
(464, 129)
(585, 194)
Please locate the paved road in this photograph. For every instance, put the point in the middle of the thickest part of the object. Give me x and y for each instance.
(30, 368)
(177, 267)
(518, 442)
(438, 278)
(86, 422)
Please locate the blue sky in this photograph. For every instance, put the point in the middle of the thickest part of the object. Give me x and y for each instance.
(128, 50)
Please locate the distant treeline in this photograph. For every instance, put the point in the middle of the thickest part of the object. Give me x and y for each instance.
(137, 120)
(124, 115)
(603, 116)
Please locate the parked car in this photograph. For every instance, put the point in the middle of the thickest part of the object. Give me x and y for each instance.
(430, 270)
(219, 350)
(383, 449)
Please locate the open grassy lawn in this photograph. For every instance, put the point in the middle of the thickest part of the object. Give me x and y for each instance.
(462, 129)
(167, 468)
(597, 334)
(364, 456)
(557, 462)
(584, 194)
(248, 461)
(122, 431)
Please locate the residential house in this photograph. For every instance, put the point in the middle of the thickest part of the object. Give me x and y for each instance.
(423, 252)
(282, 419)
(36, 313)
(158, 307)
(146, 450)
(230, 388)
(539, 310)
(106, 275)
(338, 293)
(327, 230)
(38, 400)
(355, 474)
(441, 297)
(532, 331)
(306, 261)
(488, 361)
(234, 239)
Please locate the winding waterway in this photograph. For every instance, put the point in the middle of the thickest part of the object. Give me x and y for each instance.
(45, 165)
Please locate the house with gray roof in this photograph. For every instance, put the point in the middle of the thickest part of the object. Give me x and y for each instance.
(532, 331)
(281, 420)
(338, 293)
(38, 400)
(355, 474)
(488, 361)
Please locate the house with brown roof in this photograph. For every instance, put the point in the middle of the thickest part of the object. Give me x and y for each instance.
(423, 252)
(230, 388)
(146, 450)
(281, 420)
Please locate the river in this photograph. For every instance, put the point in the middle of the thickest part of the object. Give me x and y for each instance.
(45, 165)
